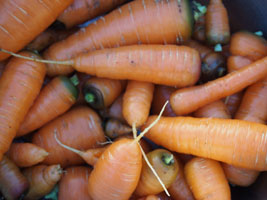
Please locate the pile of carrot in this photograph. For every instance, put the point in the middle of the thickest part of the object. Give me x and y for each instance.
(149, 99)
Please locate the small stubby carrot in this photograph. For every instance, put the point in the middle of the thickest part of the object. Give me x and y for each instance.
(166, 166)
(42, 179)
(236, 62)
(13, 184)
(207, 180)
(54, 99)
(79, 128)
(115, 128)
(217, 23)
(249, 45)
(184, 100)
(21, 21)
(26, 154)
(74, 184)
(19, 86)
(232, 102)
(100, 93)
(219, 139)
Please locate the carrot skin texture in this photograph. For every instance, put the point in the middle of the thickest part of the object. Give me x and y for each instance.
(26, 154)
(12, 182)
(236, 62)
(127, 26)
(213, 138)
(207, 180)
(160, 64)
(22, 21)
(124, 156)
(19, 86)
(183, 101)
(232, 102)
(79, 128)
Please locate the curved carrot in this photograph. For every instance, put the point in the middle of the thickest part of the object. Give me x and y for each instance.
(183, 101)
(236, 62)
(217, 23)
(206, 179)
(21, 21)
(60, 94)
(232, 102)
(26, 154)
(78, 128)
(137, 101)
(19, 86)
(115, 128)
(127, 26)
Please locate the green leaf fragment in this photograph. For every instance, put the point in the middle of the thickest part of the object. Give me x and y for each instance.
(218, 48)
(53, 194)
(259, 33)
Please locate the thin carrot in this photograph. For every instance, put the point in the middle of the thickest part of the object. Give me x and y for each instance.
(19, 86)
(207, 180)
(26, 154)
(137, 101)
(184, 101)
(236, 62)
(115, 128)
(22, 21)
(232, 102)
(54, 99)
(78, 128)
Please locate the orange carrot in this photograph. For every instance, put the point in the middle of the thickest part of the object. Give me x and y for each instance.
(81, 10)
(199, 33)
(184, 101)
(74, 184)
(137, 101)
(232, 102)
(42, 179)
(54, 99)
(22, 21)
(224, 140)
(207, 180)
(13, 184)
(19, 86)
(78, 128)
(133, 23)
(115, 128)
(236, 62)
(26, 154)
(217, 23)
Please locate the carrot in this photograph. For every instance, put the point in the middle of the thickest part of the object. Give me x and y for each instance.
(236, 62)
(74, 184)
(217, 23)
(199, 33)
(82, 77)
(183, 101)
(42, 179)
(2, 67)
(13, 184)
(232, 102)
(224, 140)
(136, 102)
(82, 10)
(78, 128)
(26, 154)
(133, 23)
(60, 94)
(249, 45)
(19, 86)
(115, 128)
(206, 179)
(166, 167)
(22, 21)
(100, 93)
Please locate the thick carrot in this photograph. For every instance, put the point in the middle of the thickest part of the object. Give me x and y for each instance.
(82, 10)
(136, 102)
(42, 179)
(54, 99)
(232, 102)
(21, 21)
(207, 180)
(184, 101)
(115, 128)
(100, 93)
(133, 23)
(26, 154)
(236, 62)
(13, 184)
(78, 128)
(19, 86)
(224, 140)
(217, 23)
(74, 184)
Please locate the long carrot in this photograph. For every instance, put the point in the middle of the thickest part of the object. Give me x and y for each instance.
(224, 140)
(19, 86)
(21, 21)
(184, 101)
(54, 99)
(133, 23)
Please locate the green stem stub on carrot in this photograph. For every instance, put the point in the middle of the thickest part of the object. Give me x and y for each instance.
(70, 86)
(167, 159)
(93, 97)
